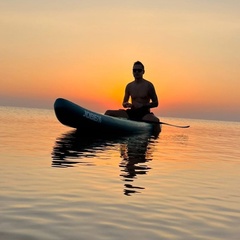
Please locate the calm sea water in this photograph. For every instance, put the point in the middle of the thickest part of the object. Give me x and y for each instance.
(55, 184)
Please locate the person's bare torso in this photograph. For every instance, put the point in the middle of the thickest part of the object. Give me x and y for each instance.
(139, 92)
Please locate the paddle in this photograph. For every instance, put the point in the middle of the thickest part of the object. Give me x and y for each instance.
(172, 125)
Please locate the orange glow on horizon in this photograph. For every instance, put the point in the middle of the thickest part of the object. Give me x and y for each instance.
(85, 54)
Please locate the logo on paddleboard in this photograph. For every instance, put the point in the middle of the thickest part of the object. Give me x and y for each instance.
(92, 116)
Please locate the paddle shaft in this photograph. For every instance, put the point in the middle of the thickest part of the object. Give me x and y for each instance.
(172, 125)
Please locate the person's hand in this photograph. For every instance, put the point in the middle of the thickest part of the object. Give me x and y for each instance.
(127, 105)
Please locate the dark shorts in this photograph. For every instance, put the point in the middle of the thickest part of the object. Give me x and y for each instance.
(137, 114)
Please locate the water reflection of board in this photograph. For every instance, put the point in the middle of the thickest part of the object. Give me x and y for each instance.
(75, 116)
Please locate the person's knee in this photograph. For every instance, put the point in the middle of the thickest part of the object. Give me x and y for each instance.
(117, 113)
(108, 112)
(151, 118)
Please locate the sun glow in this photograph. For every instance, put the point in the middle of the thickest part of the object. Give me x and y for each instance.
(85, 52)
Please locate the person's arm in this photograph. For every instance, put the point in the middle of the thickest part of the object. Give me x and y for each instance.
(153, 98)
(125, 103)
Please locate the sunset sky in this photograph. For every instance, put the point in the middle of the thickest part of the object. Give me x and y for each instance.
(83, 50)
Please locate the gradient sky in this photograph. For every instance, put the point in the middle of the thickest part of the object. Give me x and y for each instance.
(84, 51)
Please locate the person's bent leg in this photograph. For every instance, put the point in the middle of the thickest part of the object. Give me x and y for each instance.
(121, 113)
(152, 118)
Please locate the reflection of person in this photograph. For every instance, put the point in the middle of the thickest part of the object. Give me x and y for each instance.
(143, 97)
(135, 155)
